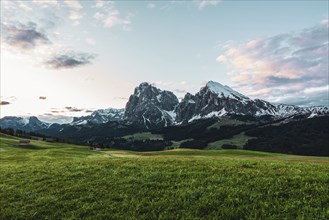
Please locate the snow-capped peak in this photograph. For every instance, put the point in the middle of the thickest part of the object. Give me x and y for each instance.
(224, 91)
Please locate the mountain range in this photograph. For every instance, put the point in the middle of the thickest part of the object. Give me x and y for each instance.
(151, 108)
(216, 117)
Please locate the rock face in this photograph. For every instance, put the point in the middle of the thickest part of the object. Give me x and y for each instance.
(216, 100)
(100, 116)
(151, 107)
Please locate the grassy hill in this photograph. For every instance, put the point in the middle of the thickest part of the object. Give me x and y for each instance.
(56, 180)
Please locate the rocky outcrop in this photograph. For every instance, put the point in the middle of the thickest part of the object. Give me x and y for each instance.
(151, 107)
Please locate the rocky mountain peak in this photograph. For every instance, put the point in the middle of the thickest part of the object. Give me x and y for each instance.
(151, 107)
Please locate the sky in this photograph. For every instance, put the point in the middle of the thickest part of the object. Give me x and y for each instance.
(67, 58)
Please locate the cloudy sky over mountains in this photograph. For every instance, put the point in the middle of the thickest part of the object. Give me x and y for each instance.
(69, 57)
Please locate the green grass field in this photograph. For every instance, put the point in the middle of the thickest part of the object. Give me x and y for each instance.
(144, 136)
(56, 181)
(227, 121)
(238, 140)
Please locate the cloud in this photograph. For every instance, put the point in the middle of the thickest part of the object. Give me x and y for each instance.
(67, 109)
(110, 17)
(69, 60)
(90, 41)
(178, 87)
(100, 3)
(121, 98)
(203, 3)
(221, 58)
(75, 16)
(56, 111)
(51, 118)
(74, 4)
(282, 67)
(46, 3)
(4, 103)
(24, 6)
(317, 89)
(42, 97)
(325, 22)
(29, 38)
(23, 36)
(73, 109)
(151, 5)
(180, 91)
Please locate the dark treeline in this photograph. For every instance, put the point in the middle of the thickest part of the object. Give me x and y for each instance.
(199, 130)
(36, 136)
(304, 137)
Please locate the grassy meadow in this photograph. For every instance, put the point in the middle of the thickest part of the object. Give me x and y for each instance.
(55, 181)
(238, 140)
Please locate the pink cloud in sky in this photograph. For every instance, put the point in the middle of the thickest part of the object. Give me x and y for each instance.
(270, 67)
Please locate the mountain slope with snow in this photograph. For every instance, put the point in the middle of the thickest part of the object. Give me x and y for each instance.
(100, 116)
(217, 100)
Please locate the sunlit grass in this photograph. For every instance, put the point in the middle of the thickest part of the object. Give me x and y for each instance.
(238, 140)
(69, 181)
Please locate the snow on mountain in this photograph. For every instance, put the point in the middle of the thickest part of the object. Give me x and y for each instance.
(216, 100)
(99, 117)
(225, 91)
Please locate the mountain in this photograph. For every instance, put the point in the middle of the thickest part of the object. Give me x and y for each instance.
(154, 119)
(216, 100)
(25, 124)
(99, 117)
(151, 107)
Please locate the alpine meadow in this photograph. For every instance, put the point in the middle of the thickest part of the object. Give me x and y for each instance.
(203, 109)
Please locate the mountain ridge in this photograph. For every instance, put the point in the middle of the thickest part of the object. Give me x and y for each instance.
(151, 108)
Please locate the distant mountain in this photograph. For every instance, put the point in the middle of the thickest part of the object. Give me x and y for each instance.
(100, 116)
(151, 107)
(33, 124)
(25, 124)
